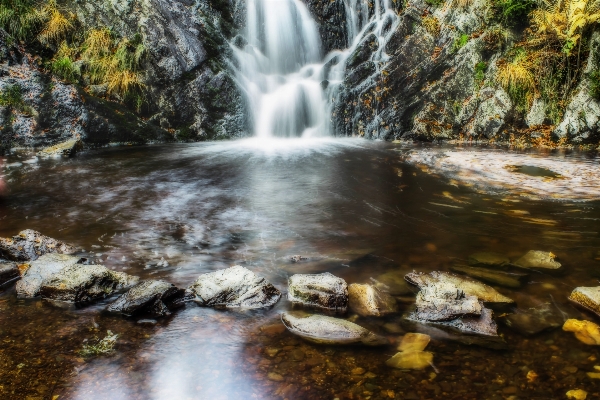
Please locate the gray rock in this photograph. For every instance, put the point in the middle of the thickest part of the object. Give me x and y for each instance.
(67, 149)
(445, 302)
(587, 297)
(454, 283)
(531, 321)
(537, 113)
(79, 283)
(537, 259)
(322, 291)
(41, 269)
(28, 245)
(8, 273)
(150, 297)
(328, 330)
(368, 300)
(234, 287)
(491, 114)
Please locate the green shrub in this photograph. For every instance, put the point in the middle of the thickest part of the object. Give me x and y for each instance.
(479, 72)
(434, 3)
(514, 12)
(460, 42)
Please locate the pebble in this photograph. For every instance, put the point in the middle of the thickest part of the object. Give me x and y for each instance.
(275, 377)
(358, 371)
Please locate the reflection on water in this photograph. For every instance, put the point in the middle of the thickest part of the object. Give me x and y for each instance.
(354, 208)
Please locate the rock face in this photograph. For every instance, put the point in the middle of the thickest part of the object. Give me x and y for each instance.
(537, 259)
(28, 245)
(151, 298)
(322, 291)
(367, 300)
(84, 283)
(454, 283)
(234, 287)
(8, 273)
(328, 330)
(588, 297)
(40, 270)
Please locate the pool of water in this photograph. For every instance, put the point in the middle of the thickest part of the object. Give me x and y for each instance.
(356, 209)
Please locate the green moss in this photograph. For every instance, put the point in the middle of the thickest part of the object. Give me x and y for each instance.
(434, 3)
(460, 42)
(479, 72)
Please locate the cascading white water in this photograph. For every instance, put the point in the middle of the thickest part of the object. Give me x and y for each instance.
(288, 84)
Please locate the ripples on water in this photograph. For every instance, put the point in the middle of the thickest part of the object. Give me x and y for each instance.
(356, 208)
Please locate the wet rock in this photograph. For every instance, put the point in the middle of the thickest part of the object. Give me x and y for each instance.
(536, 259)
(586, 331)
(150, 297)
(445, 302)
(393, 283)
(360, 73)
(414, 342)
(367, 300)
(323, 291)
(234, 287)
(532, 321)
(41, 269)
(470, 287)
(588, 297)
(328, 330)
(506, 279)
(492, 259)
(85, 283)
(411, 360)
(28, 245)
(67, 149)
(8, 273)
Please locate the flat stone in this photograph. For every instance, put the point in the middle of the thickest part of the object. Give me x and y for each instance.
(537, 259)
(470, 287)
(150, 297)
(393, 283)
(8, 273)
(79, 283)
(410, 360)
(67, 149)
(585, 331)
(322, 291)
(491, 259)
(444, 302)
(588, 297)
(367, 300)
(28, 245)
(329, 330)
(41, 269)
(506, 279)
(234, 287)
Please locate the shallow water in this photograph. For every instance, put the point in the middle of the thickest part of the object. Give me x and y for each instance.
(356, 209)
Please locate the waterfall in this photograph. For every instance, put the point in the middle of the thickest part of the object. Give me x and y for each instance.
(288, 83)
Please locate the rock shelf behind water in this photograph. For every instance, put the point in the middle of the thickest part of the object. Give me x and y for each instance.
(234, 287)
(151, 297)
(41, 269)
(85, 283)
(588, 297)
(29, 245)
(329, 330)
(324, 291)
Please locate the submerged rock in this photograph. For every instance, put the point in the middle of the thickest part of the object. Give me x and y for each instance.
(8, 273)
(586, 331)
(588, 297)
(324, 291)
(328, 330)
(367, 300)
(492, 259)
(536, 259)
(414, 342)
(234, 287)
(393, 283)
(411, 360)
(68, 149)
(532, 321)
(150, 297)
(447, 282)
(79, 283)
(28, 245)
(507, 279)
(40, 270)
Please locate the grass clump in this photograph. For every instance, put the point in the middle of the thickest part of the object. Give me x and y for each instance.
(21, 19)
(434, 3)
(63, 64)
(460, 42)
(99, 347)
(479, 72)
(518, 79)
(431, 25)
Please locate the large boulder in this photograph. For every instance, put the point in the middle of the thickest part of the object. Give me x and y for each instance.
(28, 245)
(368, 300)
(234, 287)
(323, 291)
(151, 297)
(79, 283)
(328, 330)
(41, 269)
(8, 273)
